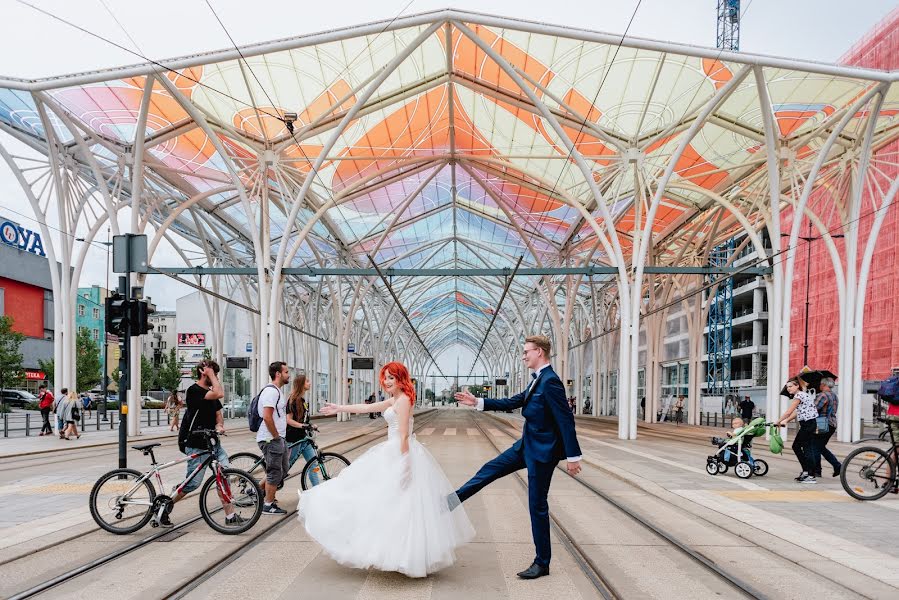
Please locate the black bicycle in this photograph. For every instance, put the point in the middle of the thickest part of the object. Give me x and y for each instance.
(321, 467)
(124, 500)
(869, 473)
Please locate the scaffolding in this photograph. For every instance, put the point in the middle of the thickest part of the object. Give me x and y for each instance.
(719, 341)
(728, 25)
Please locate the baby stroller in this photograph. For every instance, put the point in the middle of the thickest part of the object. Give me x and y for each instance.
(736, 452)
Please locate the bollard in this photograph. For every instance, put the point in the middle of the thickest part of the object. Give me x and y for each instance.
(5, 424)
(27, 424)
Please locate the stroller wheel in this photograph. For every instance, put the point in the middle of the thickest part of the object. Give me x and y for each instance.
(743, 470)
(760, 468)
(712, 468)
(722, 468)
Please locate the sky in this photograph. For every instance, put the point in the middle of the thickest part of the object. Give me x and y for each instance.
(820, 30)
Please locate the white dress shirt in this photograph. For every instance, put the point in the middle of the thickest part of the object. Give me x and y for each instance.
(480, 405)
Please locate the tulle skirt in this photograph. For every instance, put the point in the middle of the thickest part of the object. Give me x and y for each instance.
(382, 514)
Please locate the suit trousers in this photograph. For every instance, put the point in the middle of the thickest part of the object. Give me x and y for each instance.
(539, 478)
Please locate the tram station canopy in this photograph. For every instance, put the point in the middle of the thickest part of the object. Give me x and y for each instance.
(453, 140)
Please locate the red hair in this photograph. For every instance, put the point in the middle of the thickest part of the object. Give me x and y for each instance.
(403, 381)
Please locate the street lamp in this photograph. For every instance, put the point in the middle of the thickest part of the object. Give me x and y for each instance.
(808, 280)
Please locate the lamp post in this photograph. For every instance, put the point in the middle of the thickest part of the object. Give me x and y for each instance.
(808, 239)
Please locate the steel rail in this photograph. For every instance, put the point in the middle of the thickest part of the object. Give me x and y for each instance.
(685, 548)
(112, 556)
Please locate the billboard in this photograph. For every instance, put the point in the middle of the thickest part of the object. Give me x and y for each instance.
(192, 339)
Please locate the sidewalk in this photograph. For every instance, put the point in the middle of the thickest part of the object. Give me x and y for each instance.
(22, 446)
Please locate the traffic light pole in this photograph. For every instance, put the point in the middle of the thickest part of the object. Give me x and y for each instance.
(124, 377)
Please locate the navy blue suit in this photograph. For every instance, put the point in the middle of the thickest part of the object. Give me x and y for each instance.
(548, 437)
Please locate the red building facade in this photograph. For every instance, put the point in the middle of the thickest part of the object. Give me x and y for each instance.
(879, 49)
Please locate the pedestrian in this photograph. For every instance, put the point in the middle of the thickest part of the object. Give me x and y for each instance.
(58, 405)
(679, 410)
(643, 407)
(272, 433)
(746, 408)
(173, 406)
(71, 414)
(804, 410)
(86, 405)
(826, 403)
(298, 423)
(45, 403)
(369, 400)
(204, 412)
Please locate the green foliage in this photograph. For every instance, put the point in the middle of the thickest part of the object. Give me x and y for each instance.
(148, 375)
(4, 408)
(207, 353)
(429, 394)
(88, 368)
(169, 376)
(48, 367)
(10, 357)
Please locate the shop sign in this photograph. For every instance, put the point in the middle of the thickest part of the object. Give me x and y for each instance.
(21, 238)
(32, 375)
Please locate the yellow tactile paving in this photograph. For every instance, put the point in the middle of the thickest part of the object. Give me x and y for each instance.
(786, 496)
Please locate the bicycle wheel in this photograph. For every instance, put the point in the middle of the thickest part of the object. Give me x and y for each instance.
(239, 492)
(249, 463)
(868, 473)
(120, 502)
(327, 465)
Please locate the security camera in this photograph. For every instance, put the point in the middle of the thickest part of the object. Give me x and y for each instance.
(289, 119)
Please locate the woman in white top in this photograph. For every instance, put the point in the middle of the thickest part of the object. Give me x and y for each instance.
(804, 410)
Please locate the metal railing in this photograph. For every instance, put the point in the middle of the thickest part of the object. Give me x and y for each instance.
(29, 423)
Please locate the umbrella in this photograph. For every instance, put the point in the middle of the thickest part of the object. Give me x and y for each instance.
(813, 378)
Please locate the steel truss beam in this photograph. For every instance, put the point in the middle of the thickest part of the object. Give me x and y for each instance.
(485, 272)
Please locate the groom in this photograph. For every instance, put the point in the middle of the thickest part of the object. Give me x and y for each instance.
(548, 437)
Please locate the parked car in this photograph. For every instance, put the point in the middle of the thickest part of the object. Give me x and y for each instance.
(17, 397)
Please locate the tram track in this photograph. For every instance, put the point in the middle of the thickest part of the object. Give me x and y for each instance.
(73, 573)
(686, 549)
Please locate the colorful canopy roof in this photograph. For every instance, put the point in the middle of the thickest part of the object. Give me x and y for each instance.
(449, 161)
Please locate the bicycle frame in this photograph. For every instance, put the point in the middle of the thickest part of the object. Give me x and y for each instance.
(156, 468)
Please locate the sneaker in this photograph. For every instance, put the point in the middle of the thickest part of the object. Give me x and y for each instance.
(234, 519)
(808, 479)
(165, 521)
(273, 509)
(802, 476)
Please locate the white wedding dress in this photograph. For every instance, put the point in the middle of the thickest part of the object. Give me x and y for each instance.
(367, 518)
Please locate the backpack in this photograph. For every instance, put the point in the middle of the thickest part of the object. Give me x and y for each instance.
(187, 424)
(889, 390)
(253, 416)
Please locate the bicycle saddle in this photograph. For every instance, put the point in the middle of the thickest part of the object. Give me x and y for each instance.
(145, 447)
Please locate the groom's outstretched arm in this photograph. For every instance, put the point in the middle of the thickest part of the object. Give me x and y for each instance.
(558, 404)
(516, 401)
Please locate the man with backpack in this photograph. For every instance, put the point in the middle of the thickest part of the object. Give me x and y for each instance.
(204, 410)
(268, 418)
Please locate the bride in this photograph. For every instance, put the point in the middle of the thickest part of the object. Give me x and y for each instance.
(388, 509)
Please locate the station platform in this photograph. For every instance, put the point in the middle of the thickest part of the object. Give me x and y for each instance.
(643, 520)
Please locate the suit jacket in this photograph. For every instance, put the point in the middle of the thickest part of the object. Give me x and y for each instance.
(548, 423)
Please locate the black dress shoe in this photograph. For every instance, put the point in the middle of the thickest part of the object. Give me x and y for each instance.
(534, 571)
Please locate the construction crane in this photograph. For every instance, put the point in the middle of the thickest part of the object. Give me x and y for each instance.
(728, 25)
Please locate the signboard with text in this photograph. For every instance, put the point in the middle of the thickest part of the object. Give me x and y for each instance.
(15, 235)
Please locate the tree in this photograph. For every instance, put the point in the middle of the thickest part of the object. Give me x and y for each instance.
(429, 394)
(88, 368)
(147, 374)
(48, 367)
(10, 357)
(169, 376)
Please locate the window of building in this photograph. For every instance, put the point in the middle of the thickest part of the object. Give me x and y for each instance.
(80, 310)
(162, 345)
(96, 333)
(96, 313)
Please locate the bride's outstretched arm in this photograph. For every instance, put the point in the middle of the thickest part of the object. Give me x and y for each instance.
(333, 409)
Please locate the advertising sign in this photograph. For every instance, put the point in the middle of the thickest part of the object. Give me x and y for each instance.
(33, 375)
(23, 239)
(192, 339)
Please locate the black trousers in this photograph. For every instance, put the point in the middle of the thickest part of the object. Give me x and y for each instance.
(539, 477)
(804, 445)
(45, 415)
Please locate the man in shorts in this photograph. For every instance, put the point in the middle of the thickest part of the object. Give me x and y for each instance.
(271, 437)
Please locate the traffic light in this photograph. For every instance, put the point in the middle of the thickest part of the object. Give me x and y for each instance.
(116, 314)
(141, 311)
